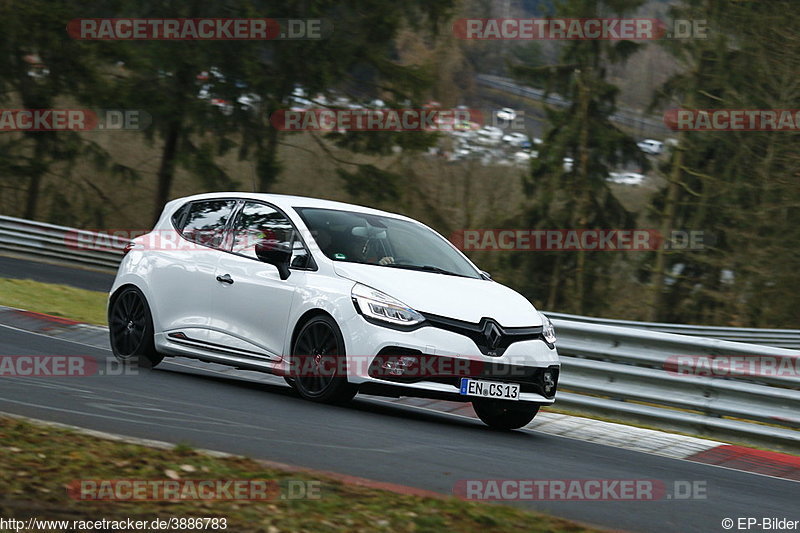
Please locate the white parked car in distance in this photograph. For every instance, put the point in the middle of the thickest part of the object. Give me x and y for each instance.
(626, 178)
(506, 114)
(489, 136)
(522, 158)
(651, 146)
(336, 298)
(517, 139)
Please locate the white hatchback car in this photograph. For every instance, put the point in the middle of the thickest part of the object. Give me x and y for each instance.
(336, 298)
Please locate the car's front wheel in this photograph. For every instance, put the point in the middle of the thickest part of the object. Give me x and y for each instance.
(504, 414)
(130, 327)
(319, 370)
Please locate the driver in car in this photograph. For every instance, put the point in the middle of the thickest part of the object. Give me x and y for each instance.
(366, 252)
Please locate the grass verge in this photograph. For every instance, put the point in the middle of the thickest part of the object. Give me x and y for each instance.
(53, 299)
(38, 462)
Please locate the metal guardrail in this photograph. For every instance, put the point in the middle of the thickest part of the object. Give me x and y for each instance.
(778, 338)
(674, 381)
(60, 243)
(617, 368)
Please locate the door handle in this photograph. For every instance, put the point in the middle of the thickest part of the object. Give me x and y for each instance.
(225, 278)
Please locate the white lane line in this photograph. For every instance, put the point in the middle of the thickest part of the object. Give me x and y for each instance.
(347, 447)
(111, 436)
(54, 338)
(132, 421)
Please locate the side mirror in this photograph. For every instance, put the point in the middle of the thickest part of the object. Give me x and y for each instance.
(275, 253)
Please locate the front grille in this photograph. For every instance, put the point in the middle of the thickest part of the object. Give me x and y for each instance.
(490, 337)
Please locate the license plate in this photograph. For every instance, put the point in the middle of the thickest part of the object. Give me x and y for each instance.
(489, 389)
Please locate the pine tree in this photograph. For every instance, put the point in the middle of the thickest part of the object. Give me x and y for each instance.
(738, 187)
(577, 195)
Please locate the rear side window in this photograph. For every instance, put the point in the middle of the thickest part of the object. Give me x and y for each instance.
(177, 216)
(205, 222)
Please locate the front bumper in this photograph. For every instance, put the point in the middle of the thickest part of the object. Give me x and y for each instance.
(433, 361)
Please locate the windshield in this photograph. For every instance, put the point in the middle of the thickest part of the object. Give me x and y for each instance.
(377, 240)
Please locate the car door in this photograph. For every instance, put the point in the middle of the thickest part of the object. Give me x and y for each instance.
(252, 304)
(183, 266)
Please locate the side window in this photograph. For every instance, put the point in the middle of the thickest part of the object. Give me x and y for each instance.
(257, 222)
(177, 217)
(206, 221)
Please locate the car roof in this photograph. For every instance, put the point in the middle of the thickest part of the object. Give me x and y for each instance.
(287, 202)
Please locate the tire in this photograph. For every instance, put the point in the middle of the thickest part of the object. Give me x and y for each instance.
(130, 329)
(316, 354)
(504, 414)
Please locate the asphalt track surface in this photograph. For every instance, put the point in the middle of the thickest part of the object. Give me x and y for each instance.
(376, 440)
(93, 280)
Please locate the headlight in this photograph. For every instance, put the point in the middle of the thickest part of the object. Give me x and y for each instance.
(548, 330)
(380, 306)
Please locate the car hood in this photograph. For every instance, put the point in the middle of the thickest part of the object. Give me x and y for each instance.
(449, 296)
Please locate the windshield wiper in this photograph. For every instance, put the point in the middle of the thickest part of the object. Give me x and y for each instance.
(426, 268)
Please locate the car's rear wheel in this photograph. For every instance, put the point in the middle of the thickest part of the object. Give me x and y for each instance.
(130, 327)
(318, 362)
(504, 414)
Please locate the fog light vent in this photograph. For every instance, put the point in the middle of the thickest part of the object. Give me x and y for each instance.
(548, 382)
(397, 367)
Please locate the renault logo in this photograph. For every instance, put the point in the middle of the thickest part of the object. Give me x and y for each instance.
(492, 334)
